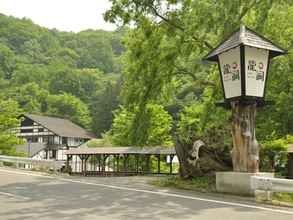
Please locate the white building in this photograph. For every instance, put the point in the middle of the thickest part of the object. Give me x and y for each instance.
(49, 137)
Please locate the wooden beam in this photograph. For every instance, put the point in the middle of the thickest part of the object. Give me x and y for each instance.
(171, 159)
(136, 163)
(159, 163)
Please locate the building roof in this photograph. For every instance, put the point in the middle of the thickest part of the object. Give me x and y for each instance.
(245, 36)
(30, 148)
(61, 127)
(122, 150)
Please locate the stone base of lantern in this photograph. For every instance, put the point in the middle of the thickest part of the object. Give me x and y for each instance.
(237, 182)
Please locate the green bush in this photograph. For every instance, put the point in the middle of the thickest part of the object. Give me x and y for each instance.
(273, 155)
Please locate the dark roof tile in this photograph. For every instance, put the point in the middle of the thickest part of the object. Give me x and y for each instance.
(61, 127)
(246, 37)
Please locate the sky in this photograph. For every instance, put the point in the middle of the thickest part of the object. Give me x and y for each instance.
(64, 15)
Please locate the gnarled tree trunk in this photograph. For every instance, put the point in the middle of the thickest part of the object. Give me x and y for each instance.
(245, 153)
(188, 158)
(196, 160)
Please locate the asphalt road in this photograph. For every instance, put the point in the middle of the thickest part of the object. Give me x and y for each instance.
(29, 195)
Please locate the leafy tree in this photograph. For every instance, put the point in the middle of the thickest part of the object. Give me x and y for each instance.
(70, 107)
(80, 83)
(273, 154)
(104, 103)
(30, 97)
(93, 47)
(9, 120)
(30, 73)
(7, 61)
(167, 44)
(159, 124)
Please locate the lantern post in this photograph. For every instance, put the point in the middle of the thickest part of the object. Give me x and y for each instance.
(243, 60)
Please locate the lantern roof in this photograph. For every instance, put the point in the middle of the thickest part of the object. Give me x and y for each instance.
(245, 36)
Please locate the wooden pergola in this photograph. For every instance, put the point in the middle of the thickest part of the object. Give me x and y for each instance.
(122, 161)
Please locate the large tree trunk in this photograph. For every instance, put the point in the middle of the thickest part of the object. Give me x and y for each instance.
(195, 161)
(188, 159)
(245, 153)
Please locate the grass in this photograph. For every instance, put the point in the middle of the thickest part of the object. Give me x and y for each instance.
(199, 184)
(208, 184)
(283, 197)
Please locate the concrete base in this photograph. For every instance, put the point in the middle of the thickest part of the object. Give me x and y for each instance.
(237, 182)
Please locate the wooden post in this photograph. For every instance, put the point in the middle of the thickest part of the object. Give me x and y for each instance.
(171, 159)
(159, 163)
(104, 163)
(148, 168)
(136, 164)
(99, 158)
(290, 165)
(81, 158)
(245, 153)
(118, 163)
(85, 164)
(125, 164)
(69, 157)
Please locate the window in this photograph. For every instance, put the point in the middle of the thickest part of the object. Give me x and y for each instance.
(54, 154)
(45, 139)
(41, 129)
(26, 131)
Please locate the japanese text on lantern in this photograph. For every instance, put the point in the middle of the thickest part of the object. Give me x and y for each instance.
(230, 70)
(256, 68)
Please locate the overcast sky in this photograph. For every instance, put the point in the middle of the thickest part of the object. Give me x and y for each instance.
(65, 15)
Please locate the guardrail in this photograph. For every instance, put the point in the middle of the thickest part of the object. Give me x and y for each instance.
(32, 163)
(269, 185)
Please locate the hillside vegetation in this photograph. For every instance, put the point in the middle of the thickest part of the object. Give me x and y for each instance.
(70, 75)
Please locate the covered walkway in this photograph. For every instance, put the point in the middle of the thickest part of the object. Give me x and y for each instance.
(122, 161)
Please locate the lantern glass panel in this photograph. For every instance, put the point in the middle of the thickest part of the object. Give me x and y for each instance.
(256, 65)
(229, 62)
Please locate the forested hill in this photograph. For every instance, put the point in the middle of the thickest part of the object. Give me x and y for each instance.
(72, 75)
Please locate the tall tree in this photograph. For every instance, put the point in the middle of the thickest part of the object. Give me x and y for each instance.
(9, 120)
(167, 44)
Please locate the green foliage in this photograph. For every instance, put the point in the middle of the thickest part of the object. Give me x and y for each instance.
(274, 156)
(7, 61)
(38, 66)
(156, 131)
(104, 101)
(284, 197)
(68, 106)
(199, 184)
(105, 141)
(162, 64)
(30, 97)
(121, 127)
(9, 113)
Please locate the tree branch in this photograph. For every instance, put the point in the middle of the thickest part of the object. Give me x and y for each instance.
(246, 9)
(186, 72)
(207, 44)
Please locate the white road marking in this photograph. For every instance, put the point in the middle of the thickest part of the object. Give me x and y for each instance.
(13, 195)
(155, 192)
(7, 194)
